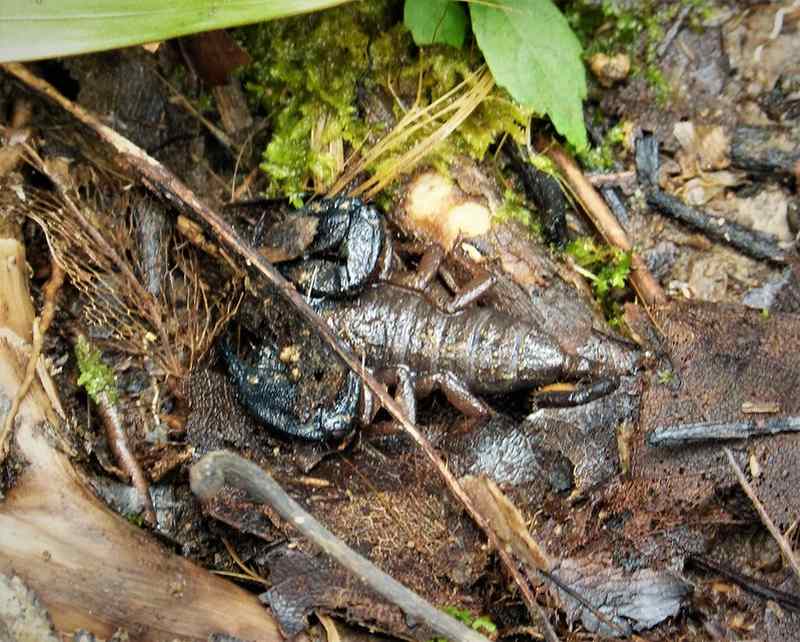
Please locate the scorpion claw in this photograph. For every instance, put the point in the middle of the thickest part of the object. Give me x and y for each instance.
(357, 229)
(268, 392)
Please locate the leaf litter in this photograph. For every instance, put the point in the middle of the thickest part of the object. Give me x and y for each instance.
(621, 536)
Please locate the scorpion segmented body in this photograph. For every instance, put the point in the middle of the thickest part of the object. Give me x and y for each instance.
(403, 337)
(487, 350)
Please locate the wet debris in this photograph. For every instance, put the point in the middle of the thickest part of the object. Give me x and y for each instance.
(587, 434)
(633, 601)
(752, 585)
(766, 150)
(510, 452)
(779, 294)
(605, 598)
(220, 470)
(303, 584)
(751, 242)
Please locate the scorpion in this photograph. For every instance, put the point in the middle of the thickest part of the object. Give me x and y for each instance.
(406, 339)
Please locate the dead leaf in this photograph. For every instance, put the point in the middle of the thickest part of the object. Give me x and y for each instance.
(506, 520)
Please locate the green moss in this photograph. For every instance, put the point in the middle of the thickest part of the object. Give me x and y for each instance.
(513, 209)
(307, 73)
(95, 376)
(482, 623)
(603, 156)
(666, 377)
(607, 267)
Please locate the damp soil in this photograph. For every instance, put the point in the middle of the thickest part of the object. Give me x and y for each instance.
(613, 510)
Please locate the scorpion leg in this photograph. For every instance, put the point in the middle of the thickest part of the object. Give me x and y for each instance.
(577, 396)
(456, 392)
(405, 388)
(353, 227)
(268, 392)
(426, 271)
(430, 265)
(471, 292)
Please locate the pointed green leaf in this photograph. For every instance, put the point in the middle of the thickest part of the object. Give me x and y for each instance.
(436, 22)
(534, 54)
(36, 29)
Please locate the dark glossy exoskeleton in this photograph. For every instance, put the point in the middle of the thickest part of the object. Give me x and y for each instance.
(269, 392)
(404, 338)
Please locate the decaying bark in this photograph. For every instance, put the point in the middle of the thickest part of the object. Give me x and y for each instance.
(90, 568)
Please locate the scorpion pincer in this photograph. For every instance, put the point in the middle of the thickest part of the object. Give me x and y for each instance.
(404, 338)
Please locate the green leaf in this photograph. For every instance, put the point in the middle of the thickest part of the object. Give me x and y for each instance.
(32, 30)
(534, 54)
(436, 22)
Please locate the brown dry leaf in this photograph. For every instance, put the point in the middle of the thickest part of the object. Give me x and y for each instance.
(766, 212)
(707, 186)
(764, 44)
(506, 520)
(703, 148)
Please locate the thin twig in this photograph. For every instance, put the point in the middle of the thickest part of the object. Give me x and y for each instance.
(751, 242)
(606, 223)
(11, 153)
(118, 442)
(215, 470)
(117, 438)
(786, 549)
(163, 182)
(748, 241)
(40, 327)
(749, 584)
(673, 31)
(612, 179)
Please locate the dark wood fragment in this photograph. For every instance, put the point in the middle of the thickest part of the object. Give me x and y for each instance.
(686, 434)
(748, 241)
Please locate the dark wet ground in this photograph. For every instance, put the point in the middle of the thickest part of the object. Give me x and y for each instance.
(621, 517)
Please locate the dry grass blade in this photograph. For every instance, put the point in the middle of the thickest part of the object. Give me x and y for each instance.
(442, 117)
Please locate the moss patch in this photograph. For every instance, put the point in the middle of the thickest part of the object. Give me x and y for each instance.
(95, 376)
(308, 73)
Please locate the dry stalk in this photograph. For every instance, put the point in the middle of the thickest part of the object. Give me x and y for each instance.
(442, 117)
(786, 548)
(646, 286)
(40, 327)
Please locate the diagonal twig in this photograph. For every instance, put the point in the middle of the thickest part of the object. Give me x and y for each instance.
(606, 223)
(786, 549)
(164, 183)
(40, 327)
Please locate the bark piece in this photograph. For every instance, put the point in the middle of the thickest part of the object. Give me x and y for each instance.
(634, 601)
